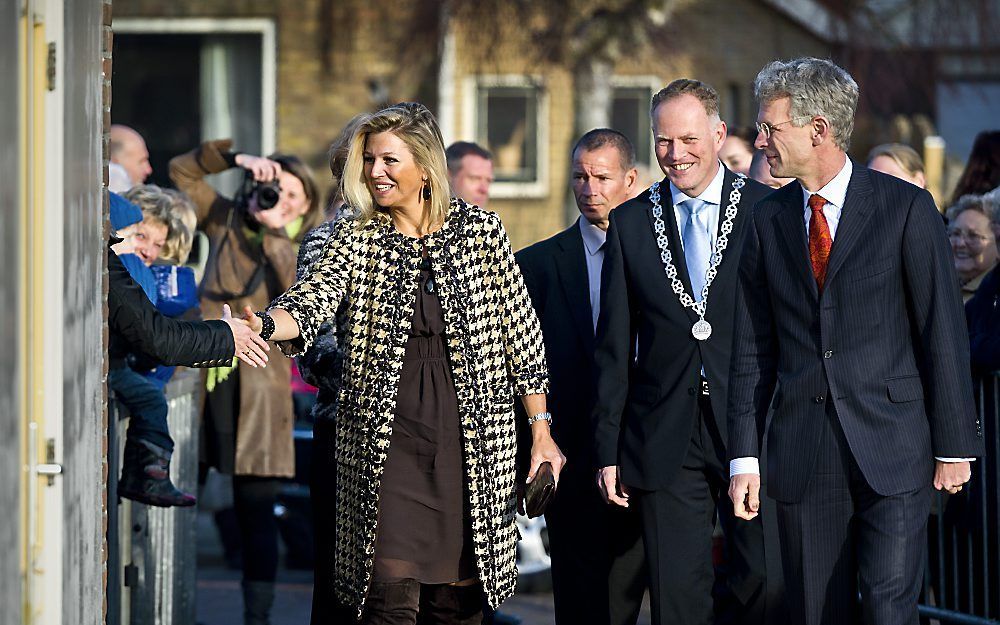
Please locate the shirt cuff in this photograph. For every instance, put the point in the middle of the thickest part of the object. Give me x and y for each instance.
(954, 459)
(744, 465)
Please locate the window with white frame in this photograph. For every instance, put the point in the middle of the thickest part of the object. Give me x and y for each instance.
(180, 81)
(504, 115)
(630, 114)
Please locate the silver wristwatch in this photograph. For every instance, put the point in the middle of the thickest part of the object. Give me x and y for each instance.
(541, 416)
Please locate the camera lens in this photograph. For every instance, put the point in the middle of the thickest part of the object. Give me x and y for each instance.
(268, 194)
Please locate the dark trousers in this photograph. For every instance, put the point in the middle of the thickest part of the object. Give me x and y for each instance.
(254, 499)
(326, 610)
(843, 537)
(146, 405)
(678, 523)
(598, 564)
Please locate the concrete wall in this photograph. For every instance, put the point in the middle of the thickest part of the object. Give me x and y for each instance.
(84, 345)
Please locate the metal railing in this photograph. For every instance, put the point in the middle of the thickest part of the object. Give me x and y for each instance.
(152, 565)
(962, 575)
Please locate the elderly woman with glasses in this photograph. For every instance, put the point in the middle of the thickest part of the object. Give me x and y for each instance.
(438, 337)
(972, 229)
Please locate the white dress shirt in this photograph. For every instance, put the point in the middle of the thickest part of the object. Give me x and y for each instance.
(835, 193)
(712, 196)
(593, 245)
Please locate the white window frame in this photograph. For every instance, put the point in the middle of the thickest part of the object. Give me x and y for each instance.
(538, 188)
(207, 26)
(654, 84)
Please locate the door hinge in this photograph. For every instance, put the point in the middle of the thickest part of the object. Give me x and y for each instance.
(50, 68)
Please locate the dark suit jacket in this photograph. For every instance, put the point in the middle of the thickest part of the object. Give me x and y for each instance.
(135, 324)
(886, 342)
(983, 316)
(647, 404)
(555, 272)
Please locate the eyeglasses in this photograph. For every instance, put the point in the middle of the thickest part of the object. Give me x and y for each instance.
(973, 239)
(766, 129)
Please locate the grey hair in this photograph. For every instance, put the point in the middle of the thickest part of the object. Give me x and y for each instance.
(991, 201)
(983, 204)
(814, 87)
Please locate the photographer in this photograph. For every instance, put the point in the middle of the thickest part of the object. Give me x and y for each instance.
(247, 426)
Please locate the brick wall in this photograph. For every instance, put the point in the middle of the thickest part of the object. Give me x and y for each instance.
(331, 51)
(722, 42)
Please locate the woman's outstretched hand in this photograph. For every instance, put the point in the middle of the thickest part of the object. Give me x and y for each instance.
(252, 320)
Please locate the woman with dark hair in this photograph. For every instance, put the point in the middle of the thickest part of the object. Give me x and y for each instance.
(438, 337)
(248, 420)
(982, 170)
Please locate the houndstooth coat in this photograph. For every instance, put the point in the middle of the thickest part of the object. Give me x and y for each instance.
(496, 353)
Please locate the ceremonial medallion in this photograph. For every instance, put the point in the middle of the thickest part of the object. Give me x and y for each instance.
(701, 330)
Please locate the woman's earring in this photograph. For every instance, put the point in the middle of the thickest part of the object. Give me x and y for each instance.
(427, 191)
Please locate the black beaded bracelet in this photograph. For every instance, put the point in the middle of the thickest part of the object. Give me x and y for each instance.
(267, 325)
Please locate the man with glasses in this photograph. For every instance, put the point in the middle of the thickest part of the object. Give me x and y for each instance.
(847, 297)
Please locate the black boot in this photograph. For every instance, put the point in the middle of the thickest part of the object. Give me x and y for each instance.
(445, 604)
(258, 597)
(146, 477)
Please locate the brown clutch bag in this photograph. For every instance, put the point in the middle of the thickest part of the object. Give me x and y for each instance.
(540, 491)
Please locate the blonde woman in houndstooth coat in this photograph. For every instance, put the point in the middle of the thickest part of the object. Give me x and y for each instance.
(439, 338)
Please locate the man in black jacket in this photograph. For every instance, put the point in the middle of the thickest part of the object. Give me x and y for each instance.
(598, 572)
(662, 357)
(136, 325)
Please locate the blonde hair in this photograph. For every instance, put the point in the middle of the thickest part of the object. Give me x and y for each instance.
(414, 124)
(903, 155)
(174, 210)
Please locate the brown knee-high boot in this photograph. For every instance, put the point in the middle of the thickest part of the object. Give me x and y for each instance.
(392, 603)
(445, 604)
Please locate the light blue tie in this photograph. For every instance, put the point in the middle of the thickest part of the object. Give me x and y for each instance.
(697, 244)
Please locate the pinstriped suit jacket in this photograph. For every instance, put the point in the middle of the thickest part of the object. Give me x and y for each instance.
(886, 342)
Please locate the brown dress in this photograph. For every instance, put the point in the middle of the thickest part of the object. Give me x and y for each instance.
(424, 529)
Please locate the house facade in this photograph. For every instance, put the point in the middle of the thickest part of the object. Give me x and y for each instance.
(288, 76)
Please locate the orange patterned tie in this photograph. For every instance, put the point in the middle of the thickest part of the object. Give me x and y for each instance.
(820, 240)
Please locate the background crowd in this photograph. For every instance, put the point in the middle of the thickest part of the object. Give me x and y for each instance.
(257, 244)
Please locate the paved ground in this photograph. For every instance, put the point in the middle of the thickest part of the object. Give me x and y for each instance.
(220, 602)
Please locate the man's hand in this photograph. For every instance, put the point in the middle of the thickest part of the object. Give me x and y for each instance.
(263, 169)
(950, 476)
(744, 490)
(250, 348)
(125, 246)
(611, 487)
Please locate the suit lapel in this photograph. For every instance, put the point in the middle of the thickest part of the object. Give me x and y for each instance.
(854, 218)
(791, 225)
(571, 264)
(733, 248)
